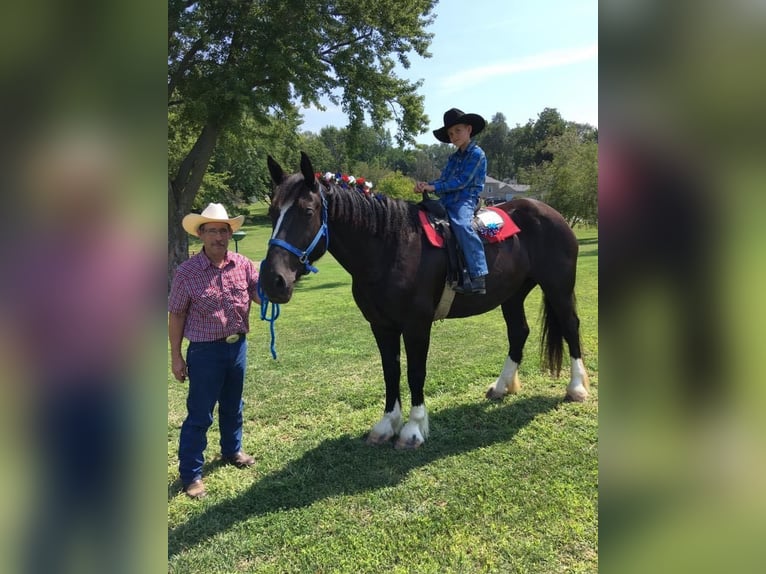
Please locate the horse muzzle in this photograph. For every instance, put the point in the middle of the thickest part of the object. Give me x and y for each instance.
(277, 283)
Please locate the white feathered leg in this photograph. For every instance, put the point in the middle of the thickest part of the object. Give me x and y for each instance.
(577, 389)
(387, 427)
(415, 431)
(507, 383)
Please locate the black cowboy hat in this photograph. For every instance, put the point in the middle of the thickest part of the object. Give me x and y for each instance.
(454, 116)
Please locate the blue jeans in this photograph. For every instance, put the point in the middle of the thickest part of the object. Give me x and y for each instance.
(216, 374)
(461, 215)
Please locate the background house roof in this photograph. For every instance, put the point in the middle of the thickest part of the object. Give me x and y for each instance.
(496, 188)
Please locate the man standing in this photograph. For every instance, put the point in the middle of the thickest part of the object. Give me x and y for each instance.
(209, 304)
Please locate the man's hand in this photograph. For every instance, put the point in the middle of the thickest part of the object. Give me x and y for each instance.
(179, 369)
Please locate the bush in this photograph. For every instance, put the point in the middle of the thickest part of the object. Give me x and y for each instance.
(397, 185)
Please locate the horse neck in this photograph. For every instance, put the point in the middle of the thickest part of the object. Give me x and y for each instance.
(353, 240)
(355, 249)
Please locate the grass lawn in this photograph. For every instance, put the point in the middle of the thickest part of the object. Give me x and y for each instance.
(497, 487)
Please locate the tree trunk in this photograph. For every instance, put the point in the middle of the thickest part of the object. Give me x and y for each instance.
(181, 193)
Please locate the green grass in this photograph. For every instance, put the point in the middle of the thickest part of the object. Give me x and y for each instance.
(497, 487)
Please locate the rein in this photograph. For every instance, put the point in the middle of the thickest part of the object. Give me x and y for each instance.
(303, 257)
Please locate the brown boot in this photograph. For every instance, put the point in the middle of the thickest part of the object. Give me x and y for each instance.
(240, 460)
(195, 489)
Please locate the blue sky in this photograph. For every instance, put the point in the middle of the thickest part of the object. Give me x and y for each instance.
(509, 56)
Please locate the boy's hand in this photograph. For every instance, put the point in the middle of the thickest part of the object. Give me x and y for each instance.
(422, 186)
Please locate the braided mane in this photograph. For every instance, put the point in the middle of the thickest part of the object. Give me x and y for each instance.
(382, 216)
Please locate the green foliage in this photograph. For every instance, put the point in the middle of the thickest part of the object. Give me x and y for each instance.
(496, 142)
(569, 181)
(243, 149)
(215, 183)
(215, 189)
(372, 173)
(320, 154)
(430, 160)
(397, 185)
(267, 55)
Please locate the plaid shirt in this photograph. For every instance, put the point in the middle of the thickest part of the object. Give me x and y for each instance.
(216, 301)
(463, 177)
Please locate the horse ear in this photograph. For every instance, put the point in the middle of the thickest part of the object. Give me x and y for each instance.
(307, 170)
(277, 175)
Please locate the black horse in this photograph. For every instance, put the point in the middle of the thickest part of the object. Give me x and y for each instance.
(399, 282)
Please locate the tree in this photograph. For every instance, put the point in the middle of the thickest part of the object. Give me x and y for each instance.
(569, 182)
(495, 142)
(526, 145)
(241, 149)
(227, 57)
(334, 139)
(549, 125)
(321, 158)
(430, 160)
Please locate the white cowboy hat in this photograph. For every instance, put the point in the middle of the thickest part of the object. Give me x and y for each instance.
(213, 212)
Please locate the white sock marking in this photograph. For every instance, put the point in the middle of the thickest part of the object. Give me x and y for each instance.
(506, 377)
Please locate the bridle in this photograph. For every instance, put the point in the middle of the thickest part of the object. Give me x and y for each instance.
(303, 256)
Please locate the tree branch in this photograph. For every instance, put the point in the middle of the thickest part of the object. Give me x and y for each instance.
(192, 169)
(346, 43)
(184, 64)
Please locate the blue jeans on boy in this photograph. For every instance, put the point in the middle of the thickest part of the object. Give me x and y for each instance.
(216, 374)
(461, 215)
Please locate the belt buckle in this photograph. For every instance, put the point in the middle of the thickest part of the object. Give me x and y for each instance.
(232, 338)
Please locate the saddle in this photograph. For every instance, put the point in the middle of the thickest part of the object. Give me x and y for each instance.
(493, 225)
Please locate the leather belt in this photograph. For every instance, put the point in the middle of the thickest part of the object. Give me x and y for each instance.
(230, 339)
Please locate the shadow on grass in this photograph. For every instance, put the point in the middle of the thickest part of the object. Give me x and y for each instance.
(589, 241)
(347, 465)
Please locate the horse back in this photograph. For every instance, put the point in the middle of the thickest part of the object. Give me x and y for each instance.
(544, 232)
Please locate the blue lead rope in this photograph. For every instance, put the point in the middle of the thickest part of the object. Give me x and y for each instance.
(271, 320)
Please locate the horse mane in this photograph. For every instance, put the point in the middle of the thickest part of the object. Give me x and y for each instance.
(382, 216)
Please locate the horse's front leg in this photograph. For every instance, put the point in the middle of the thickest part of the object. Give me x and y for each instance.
(416, 341)
(389, 346)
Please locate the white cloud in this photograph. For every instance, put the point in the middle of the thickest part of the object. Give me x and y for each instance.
(552, 59)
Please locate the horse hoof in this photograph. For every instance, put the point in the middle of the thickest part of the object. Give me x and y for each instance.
(493, 395)
(411, 444)
(377, 440)
(575, 397)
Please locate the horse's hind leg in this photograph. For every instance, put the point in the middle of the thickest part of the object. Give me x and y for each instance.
(562, 321)
(518, 331)
(388, 341)
(579, 385)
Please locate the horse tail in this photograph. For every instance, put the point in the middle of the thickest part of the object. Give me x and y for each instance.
(551, 338)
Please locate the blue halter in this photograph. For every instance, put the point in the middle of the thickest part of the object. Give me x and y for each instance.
(303, 257)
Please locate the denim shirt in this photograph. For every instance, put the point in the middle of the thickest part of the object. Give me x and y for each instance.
(463, 176)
